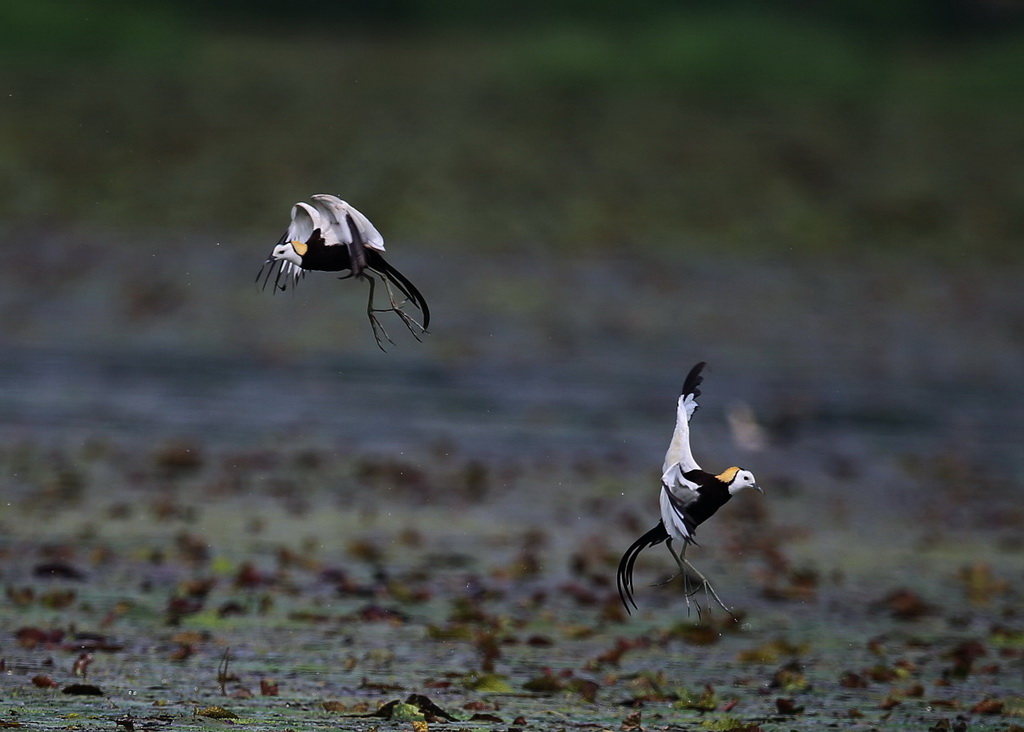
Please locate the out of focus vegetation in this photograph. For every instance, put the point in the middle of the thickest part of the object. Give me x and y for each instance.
(768, 127)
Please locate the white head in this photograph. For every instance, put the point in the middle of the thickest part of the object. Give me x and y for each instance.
(289, 251)
(737, 479)
(293, 245)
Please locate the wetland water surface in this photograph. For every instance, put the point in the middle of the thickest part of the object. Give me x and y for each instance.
(445, 519)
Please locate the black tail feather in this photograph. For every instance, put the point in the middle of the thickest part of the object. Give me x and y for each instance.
(693, 380)
(624, 575)
(376, 262)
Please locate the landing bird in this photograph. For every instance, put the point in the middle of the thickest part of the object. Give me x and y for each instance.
(332, 236)
(689, 497)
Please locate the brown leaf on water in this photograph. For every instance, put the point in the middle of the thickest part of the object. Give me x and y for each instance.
(378, 686)
(182, 652)
(632, 721)
(963, 656)
(699, 634)
(904, 604)
(177, 459)
(334, 706)
(249, 576)
(787, 706)
(32, 637)
(892, 699)
(794, 584)
(851, 680)
(216, 712)
(489, 648)
(881, 673)
(988, 706)
(231, 608)
(790, 678)
(58, 599)
(480, 706)
(649, 686)
(772, 651)
(585, 688)
(20, 596)
(44, 682)
(614, 654)
(268, 687)
(485, 717)
(579, 631)
(547, 683)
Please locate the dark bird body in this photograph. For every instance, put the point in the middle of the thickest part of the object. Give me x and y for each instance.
(329, 235)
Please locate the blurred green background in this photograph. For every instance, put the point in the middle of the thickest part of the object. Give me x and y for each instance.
(543, 126)
(828, 196)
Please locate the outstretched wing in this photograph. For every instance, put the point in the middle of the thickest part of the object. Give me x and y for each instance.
(624, 575)
(679, 454)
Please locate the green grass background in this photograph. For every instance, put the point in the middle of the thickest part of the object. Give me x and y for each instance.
(563, 127)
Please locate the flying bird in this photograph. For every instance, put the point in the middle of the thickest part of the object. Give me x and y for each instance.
(330, 235)
(689, 497)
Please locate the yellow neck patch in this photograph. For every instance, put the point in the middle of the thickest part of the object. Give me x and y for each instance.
(728, 476)
(300, 247)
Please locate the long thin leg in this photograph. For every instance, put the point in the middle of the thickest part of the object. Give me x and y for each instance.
(411, 323)
(378, 329)
(371, 311)
(709, 591)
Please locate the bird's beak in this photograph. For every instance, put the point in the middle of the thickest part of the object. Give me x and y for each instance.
(758, 488)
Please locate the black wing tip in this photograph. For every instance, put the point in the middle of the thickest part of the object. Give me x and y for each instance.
(694, 379)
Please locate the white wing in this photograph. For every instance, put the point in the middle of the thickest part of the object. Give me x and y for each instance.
(333, 211)
(305, 219)
(679, 457)
(674, 500)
